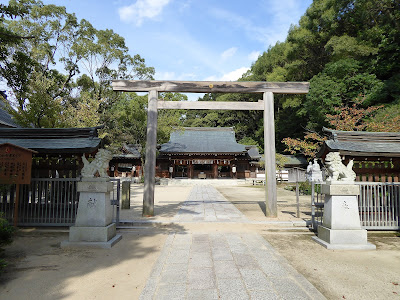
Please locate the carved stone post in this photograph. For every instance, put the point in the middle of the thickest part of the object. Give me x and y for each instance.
(93, 224)
(341, 227)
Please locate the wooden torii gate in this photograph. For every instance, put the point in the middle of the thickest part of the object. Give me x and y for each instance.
(268, 89)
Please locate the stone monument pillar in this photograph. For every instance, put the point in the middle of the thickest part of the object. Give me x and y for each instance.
(341, 229)
(93, 225)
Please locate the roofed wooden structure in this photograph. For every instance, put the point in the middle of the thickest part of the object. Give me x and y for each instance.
(204, 152)
(127, 163)
(376, 155)
(59, 149)
(53, 140)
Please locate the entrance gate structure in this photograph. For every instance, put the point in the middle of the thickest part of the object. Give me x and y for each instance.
(267, 89)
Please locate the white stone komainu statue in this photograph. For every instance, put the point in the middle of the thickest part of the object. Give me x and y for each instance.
(99, 164)
(337, 171)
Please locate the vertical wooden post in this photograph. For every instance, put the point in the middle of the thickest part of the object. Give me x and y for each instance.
(297, 194)
(150, 164)
(215, 170)
(269, 153)
(16, 204)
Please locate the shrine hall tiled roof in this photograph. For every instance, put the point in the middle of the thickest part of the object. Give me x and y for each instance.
(203, 140)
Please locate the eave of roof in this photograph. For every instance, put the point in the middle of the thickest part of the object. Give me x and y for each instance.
(73, 145)
(53, 140)
(49, 133)
(204, 141)
(125, 156)
(363, 136)
(361, 148)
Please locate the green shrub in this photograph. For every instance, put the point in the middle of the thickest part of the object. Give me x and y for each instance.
(6, 231)
(6, 235)
(305, 188)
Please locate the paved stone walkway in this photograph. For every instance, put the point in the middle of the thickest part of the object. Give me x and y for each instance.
(195, 265)
(206, 204)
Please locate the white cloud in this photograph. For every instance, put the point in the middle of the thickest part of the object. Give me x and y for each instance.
(141, 10)
(253, 56)
(228, 53)
(173, 76)
(268, 31)
(165, 76)
(184, 5)
(230, 76)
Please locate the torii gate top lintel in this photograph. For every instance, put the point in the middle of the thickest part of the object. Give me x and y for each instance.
(211, 86)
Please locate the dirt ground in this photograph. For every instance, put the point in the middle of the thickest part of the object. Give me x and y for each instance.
(40, 269)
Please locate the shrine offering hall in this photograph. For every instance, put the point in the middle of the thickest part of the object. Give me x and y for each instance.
(202, 153)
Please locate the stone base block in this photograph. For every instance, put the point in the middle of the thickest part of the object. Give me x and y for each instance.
(351, 239)
(101, 245)
(92, 234)
(367, 246)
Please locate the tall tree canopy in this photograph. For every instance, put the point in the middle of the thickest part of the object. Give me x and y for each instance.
(60, 68)
(346, 49)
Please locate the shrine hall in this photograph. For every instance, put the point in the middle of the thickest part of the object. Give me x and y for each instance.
(206, 153)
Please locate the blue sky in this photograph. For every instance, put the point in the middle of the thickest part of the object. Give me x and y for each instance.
(193, 39)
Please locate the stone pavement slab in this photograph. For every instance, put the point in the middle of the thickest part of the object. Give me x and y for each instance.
(206, 204)
(204, 265)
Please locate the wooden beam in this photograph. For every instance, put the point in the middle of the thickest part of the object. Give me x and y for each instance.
(214, 105)
(150, 164)
(269, 154)
(211, 86)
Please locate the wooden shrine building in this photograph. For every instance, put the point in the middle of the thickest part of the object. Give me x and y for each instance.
(59, 150)
(128, 163)
(212, 153)
(51, 198)
(376, 155)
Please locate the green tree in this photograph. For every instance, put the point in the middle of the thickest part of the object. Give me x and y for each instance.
(346, 49)
(62, 48)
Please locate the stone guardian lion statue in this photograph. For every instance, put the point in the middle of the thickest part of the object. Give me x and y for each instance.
(337, 171)
(99, 164)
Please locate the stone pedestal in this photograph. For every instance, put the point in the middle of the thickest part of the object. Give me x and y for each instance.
(126, 195)
(93, 227)
(341, 227)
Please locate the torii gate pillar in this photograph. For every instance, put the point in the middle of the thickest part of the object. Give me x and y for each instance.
(269, 154)
(151, 149)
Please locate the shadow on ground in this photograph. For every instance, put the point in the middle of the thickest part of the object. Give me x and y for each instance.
(38, 268)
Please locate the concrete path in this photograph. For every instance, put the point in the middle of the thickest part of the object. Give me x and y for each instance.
(213, 265)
